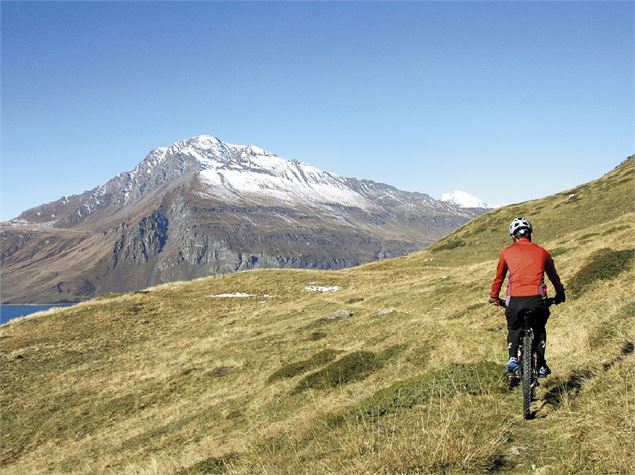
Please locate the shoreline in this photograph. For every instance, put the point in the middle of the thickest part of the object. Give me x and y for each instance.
(11, 312)
(37, 304)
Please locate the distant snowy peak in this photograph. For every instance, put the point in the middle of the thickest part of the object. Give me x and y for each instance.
(465, 200)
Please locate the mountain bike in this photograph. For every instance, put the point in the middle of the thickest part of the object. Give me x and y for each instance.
(527, 372)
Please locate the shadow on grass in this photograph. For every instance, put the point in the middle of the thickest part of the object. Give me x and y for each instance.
(569, 388)
(626, 349)
(573, 384)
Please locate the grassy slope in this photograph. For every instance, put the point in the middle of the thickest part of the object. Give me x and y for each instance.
(172, 380)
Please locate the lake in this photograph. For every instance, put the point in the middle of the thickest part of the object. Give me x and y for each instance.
(9, 312)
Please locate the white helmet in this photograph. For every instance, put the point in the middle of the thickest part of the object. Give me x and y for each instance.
(519, 224)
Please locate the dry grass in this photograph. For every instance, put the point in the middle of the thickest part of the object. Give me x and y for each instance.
(173, 381)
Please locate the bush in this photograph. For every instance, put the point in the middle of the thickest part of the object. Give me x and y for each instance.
(603, 264)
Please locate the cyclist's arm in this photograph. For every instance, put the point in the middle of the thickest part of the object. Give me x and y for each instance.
(501, 272)
(550, 269)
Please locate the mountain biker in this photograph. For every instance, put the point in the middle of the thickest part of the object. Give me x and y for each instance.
(526, 290)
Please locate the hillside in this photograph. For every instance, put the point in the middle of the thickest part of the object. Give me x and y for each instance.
(201, 207)
(398, 369)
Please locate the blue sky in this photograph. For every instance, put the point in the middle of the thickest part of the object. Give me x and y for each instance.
(505, 100)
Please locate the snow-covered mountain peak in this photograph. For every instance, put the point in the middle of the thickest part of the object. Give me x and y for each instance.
(211, 152)
(236, 173)
(464, 200)
(204, 140)
(212, 143)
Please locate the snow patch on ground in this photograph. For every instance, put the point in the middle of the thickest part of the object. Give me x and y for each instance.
(236, 295)
(239, 295)
(320, 288)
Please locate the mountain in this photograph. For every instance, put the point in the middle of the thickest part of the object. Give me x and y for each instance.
(201, 207)
(395, 367)
(465, 200)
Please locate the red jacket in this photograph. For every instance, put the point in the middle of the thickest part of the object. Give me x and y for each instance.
(527, 263)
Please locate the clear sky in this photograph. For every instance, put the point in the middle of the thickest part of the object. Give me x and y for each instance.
(505, 100)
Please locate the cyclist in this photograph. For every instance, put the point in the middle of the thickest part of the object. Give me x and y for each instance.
(526, 290)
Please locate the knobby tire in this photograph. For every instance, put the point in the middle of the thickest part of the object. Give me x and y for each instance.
(527, 376)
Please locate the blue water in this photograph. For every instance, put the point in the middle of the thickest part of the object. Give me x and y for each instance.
(9, 312)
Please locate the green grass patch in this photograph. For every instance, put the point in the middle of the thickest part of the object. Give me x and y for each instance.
(300, 367)
(603, 335)
(352, 367)
(628, 310)
(469, 378)
(603, 264)
(558, 251)
(615, 328)
(420, 355)
(616, 229)
(389, 353)
(589, 236)
(449, 245)
(210, 465)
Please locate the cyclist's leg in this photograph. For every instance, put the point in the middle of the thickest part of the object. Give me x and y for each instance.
(514, 327)
(540, 333)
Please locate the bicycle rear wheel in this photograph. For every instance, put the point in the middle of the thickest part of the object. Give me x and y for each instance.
(527, 377)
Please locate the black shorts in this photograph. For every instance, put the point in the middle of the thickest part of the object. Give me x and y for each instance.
(538, 322)
(517, 305)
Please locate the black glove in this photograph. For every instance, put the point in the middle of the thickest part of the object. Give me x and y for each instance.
(496, 301)
(560, 298)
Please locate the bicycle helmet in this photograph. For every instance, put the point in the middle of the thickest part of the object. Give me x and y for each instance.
(520, 226)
